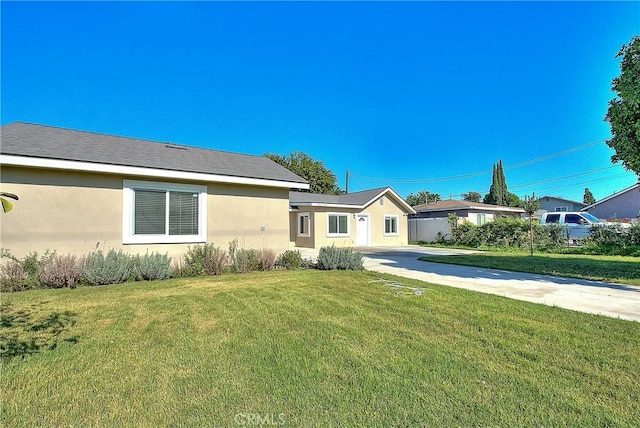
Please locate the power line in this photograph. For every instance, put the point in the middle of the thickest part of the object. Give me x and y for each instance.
(550, 180)
(480, 173)
(595, 180)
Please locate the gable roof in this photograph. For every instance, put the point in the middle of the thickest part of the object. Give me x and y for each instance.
(563, 200)
(615, 195)
(28, 144)
(358, 200)
(451, 204)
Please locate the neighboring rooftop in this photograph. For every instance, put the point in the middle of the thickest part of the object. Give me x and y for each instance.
(614, 195)
(48, 142)
(463, 205)
(557, 198)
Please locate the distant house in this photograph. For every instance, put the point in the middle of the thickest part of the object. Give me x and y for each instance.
(80, 189)
(624, 204)
(376, 217)
(430, 222)
(554, 204)
(475, 212)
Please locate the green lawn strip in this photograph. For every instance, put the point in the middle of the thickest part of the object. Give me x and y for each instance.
(617, 269)
(311, 348)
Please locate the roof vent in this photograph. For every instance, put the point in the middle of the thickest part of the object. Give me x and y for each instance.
(175, 147)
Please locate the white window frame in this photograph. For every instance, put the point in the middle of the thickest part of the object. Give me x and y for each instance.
(384, 225)
(339, 235)
(481, 218)
(301, 233)
(561, 209)
(128, 236)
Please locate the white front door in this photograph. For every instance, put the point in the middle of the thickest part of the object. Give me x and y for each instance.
(362, 230)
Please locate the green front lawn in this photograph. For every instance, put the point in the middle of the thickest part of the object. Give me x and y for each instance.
(309, 348)
(617, 269)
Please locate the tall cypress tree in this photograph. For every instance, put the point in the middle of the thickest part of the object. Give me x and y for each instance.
(498, 194)
(503, 194)
(588, 197)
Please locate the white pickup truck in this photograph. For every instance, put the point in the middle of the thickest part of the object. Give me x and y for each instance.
(577, 224)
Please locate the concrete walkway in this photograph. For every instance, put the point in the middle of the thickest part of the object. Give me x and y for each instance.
(614, 300)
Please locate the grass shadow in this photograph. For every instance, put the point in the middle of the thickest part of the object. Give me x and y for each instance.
(27, 331)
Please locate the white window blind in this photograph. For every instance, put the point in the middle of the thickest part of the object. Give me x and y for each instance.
(157, 212)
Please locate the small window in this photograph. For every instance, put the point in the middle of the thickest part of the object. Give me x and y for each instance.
(390, 224)
(158, 213)
(482, 219)
(304, 225)
(562, 209)
(337, 224)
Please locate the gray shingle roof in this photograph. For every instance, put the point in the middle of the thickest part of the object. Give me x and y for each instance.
(451, 204)
(39, 141)
(356, 199)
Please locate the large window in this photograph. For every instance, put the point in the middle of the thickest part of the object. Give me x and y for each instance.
(390, 224)
(337, 224)
(304, 225)
(163, 213)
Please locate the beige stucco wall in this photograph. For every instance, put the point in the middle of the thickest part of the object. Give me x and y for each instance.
(376, 212)
(73, 212)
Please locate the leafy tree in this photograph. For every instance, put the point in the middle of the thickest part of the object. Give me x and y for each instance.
(320, 178)
(472, 197)
(514, 200)
(422, 197)
(531, 205)
(498, 194)
(623, 114)
(588, 197)
(6, 203)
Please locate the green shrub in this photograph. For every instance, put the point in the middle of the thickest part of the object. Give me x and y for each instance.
(614, 240)
(466, 234)
(113, 268)
(22, 274)
(332, 258)
(242, 260)
(508, 233)
(59, 272)
(266, 259)
(151, 266)
(290, 259)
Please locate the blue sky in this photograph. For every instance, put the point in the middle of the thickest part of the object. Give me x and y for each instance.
(404, 94)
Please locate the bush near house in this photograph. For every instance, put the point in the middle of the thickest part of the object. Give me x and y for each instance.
(98, 268)
(505, 233)
(290, 259)
(334, 258)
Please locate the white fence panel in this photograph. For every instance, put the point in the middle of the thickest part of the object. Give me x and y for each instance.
(427, 229)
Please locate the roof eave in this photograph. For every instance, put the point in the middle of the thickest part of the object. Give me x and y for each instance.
(32, 162)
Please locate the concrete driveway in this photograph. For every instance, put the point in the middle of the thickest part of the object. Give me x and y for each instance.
(614, 300)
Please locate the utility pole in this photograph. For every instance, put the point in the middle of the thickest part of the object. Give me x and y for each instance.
(346, 187)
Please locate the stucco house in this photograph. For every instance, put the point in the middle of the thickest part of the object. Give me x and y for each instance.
(475, 212)
(554, 204)
(82, 189)
(624, 204)
(376, 217)
(430, 223)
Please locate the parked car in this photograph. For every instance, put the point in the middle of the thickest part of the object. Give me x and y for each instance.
(577, 224)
